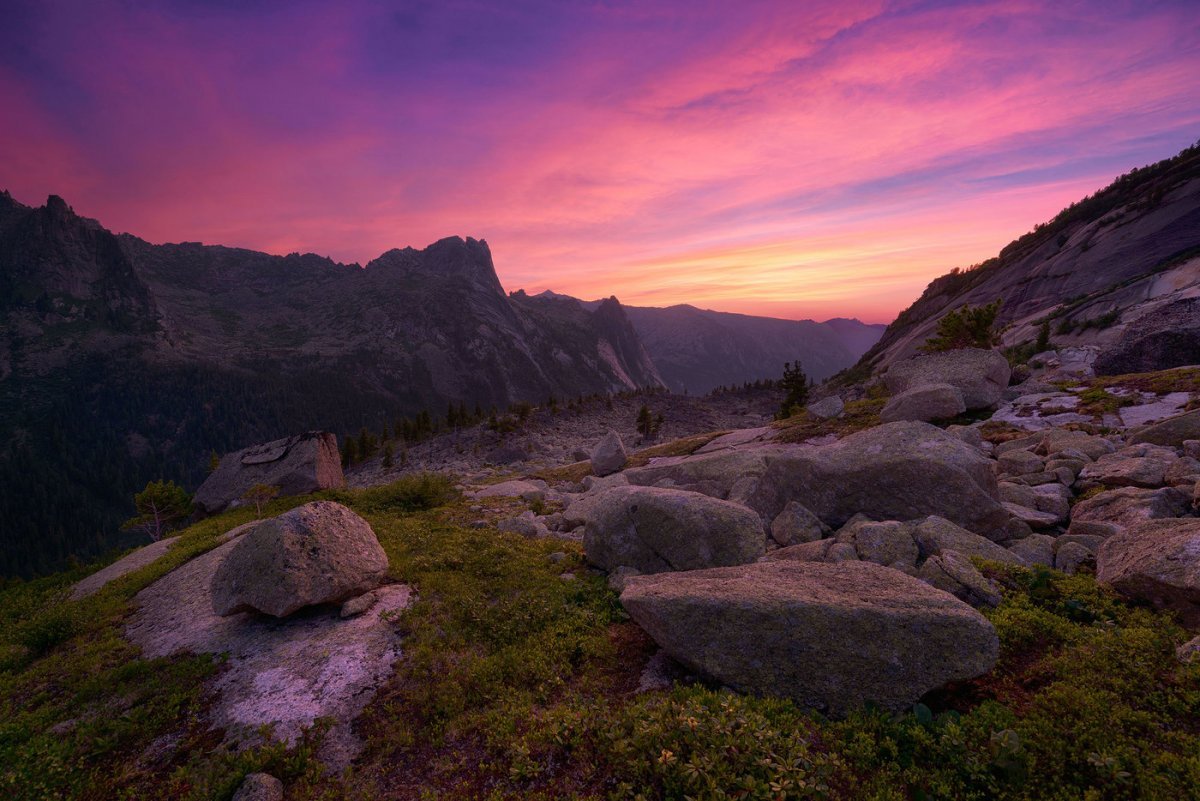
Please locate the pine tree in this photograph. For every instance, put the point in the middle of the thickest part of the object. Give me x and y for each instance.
(795, 388)
(1043, 340)
(260, 494)
(159, 507)
(388, 450)
(966, 327)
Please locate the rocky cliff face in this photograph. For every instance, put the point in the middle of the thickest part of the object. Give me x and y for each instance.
(1092, 272)
(122, 361)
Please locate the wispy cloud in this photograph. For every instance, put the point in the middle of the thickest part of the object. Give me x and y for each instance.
(798, 159)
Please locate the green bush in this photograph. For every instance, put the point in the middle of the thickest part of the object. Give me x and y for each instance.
(411, 493)
(966, 327)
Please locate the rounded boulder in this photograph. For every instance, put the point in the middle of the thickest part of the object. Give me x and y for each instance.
(317, 553)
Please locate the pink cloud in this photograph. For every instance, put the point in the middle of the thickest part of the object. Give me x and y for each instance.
(787, 158)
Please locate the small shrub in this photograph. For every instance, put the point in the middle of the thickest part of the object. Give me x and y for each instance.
(413, 493)
(966, 327)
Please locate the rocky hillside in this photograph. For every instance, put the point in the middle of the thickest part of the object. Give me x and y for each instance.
(698, 350)
(1002, 604)
(1093, 272)
(122, 361)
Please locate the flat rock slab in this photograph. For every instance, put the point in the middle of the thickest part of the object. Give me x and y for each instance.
(517, 488)
(122, 567)
(1040, 411)
(830, 636)
(1157, 409)
(743, 436)
(285, 672)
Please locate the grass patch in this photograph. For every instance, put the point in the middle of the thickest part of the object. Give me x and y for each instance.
(857, 416)
(678, 447)
(518, 682)
(1087, 701)
(1179, 379)
(1098, 401)
(411, 493)
(82, 715)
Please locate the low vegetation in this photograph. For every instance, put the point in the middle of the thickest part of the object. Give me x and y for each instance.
(858, 415)
(518, 682)
(966, 327)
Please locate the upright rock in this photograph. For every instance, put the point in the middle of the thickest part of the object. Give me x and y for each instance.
(609, 454)
(298, 465)
(317, 553)
(830, 636)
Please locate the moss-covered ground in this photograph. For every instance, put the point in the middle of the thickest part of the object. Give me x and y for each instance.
(518, 682)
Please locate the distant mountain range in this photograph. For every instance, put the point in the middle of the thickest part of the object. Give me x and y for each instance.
(697, 350)
(122, 361)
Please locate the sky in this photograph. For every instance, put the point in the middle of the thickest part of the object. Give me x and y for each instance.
(794, 159)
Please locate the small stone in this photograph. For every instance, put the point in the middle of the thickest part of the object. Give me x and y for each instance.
(1070, 556)
(359, 604)
(827, 407)
(259, 787)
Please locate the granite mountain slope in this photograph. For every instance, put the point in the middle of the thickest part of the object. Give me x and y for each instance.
(1091, 272)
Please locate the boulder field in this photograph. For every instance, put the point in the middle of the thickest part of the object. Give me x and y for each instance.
(840, 571)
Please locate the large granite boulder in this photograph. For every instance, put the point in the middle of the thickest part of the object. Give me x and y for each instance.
(924, 402)
(1173, 431)
(715, 473)
(896, 471)
(980, 375)
(1167, 337)
(1115, 510)
(1158, 562)
(298, 465)
(936, 535)
(826, 408)
(317, 553)
(609, 455)
(1141, 465)
(830, 636)
(654, 530)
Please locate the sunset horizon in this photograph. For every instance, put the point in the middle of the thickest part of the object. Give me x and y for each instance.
(826, 161)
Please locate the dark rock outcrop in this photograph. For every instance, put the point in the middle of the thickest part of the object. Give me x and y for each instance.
(1168, 336)
(298, 465)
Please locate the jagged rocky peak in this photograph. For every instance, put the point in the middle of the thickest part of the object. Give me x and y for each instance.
(448, 258)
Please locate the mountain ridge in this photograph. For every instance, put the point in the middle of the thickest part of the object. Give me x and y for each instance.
(123, 361)
(698, 350)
